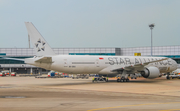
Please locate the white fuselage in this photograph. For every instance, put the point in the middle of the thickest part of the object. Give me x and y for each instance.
(76, 64)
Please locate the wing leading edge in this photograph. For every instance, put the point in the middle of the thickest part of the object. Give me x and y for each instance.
(138, 67)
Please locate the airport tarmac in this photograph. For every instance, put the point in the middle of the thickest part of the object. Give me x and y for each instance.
(66, 94)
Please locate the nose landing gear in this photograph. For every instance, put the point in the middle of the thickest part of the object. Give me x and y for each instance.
(167, 77)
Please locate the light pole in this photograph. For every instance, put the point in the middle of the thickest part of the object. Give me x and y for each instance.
(151, 27)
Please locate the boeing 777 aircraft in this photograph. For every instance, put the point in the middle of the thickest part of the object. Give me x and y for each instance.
(105, 66)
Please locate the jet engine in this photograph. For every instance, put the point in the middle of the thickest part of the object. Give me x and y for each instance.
(150, 72)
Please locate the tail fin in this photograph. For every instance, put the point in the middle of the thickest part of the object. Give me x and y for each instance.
(40, 45)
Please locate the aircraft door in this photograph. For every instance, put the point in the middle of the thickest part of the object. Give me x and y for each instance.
(65, 63)
(97, 63)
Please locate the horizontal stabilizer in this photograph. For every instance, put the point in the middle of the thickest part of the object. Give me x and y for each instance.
(13, 59)
(45, 60)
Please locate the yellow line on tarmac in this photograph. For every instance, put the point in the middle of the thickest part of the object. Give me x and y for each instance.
(134, 105)
(170, 110)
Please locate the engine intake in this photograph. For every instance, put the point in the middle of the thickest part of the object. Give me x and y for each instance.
(150, 72)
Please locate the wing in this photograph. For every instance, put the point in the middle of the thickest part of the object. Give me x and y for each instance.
(138, 67)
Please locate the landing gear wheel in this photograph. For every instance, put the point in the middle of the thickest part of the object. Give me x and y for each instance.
(122, 80)
(127, 80)
(168, 77)
(117, 80)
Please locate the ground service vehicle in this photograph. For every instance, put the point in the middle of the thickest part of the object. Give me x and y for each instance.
(172, 76)
(13, 73)
(2, 74)
(7, 72)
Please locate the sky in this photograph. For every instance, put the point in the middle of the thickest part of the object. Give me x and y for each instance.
(91, 23)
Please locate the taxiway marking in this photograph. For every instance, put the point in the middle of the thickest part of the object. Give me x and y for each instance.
(170, 110)
(135, 105)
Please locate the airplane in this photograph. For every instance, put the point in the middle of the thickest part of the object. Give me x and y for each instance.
(105, 66)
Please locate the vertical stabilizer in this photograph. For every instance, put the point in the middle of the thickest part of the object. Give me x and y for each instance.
(40, 45)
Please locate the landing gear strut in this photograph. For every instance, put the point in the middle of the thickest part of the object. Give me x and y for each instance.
(123, 77)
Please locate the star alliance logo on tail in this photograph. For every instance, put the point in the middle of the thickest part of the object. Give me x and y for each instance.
(36, 44)
(39, 41)
(40, 45)
(39, 49)
(43, 48)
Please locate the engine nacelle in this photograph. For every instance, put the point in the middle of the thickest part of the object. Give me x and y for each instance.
(150, 72)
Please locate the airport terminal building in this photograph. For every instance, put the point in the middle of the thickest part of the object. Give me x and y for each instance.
(21, 53)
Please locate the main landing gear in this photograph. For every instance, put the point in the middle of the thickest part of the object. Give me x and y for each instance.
(122, 80)
(102, 79)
